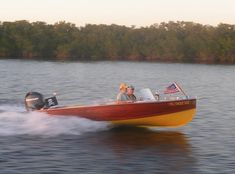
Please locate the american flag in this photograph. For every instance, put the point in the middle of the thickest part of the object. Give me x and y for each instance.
(173, 88)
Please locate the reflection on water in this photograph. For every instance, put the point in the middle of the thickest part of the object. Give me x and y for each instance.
(122, 138)
(140, 147)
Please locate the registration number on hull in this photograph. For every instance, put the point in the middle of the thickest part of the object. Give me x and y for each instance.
(179, 103)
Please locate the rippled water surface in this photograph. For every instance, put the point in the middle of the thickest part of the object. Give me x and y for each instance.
(37, 143)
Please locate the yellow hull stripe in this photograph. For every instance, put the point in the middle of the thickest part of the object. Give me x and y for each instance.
(166, 120)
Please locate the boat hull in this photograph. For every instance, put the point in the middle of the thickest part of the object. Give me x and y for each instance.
(161, 114)
(166, 120)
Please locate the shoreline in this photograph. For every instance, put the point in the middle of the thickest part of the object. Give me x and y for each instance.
(105, 60)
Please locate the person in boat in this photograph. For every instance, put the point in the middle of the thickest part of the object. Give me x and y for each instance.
(122, 95)
(130, 93)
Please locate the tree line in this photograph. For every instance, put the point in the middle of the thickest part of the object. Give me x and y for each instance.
(172, 41)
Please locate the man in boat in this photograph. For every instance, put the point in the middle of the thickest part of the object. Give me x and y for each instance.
(122, 95)
(130, 93)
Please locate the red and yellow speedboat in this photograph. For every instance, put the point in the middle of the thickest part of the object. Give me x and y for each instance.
(169, 113)
(162, 114)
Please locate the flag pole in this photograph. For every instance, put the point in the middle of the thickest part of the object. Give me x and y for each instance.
(181, 90)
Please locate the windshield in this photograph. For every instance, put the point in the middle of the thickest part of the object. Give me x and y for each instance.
(146, 94)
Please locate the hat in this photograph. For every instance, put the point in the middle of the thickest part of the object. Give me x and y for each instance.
(122, 86)
(130, 86)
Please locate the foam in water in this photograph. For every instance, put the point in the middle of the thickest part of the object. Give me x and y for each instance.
(14, 121)
(11, 108)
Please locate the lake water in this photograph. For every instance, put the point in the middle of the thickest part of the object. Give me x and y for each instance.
(38, 143)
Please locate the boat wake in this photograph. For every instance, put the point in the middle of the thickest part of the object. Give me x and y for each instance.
(15, 121)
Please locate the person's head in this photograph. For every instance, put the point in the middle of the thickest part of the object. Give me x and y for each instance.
(130, 90)
(123, 87)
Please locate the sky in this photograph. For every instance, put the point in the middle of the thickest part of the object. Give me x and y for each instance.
(121, 12)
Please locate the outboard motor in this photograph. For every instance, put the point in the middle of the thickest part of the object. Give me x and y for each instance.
(34, 101)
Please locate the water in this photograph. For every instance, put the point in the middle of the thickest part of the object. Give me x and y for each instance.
(37, 143)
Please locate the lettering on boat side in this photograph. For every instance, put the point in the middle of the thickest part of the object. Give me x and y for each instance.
(179, 103)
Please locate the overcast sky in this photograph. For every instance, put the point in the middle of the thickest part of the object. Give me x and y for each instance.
(121, 12)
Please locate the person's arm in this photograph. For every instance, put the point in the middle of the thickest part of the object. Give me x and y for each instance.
(122, 98)
(135, 99)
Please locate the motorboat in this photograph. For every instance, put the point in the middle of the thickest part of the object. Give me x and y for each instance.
(145, 112)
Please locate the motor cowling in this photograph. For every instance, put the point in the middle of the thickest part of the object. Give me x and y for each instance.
(34, 101)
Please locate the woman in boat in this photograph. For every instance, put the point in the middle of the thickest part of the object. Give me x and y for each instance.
(130, 93)
(122, 95)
